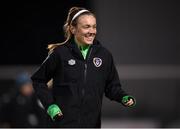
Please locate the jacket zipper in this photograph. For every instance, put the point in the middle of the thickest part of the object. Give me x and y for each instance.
(85, 66)
(85, 77)
(85, 69)
(85, 72)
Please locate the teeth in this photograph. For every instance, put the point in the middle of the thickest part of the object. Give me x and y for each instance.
(90, 35)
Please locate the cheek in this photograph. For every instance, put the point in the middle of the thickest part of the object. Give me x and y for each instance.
(82, 31)
(81, 34)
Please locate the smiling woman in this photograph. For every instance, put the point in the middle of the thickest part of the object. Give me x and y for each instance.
(82, 71)
(82, 26)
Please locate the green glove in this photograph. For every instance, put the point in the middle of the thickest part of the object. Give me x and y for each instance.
(126, 98)
(54, 112)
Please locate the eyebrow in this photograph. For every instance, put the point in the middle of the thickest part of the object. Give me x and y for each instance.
(89, 25)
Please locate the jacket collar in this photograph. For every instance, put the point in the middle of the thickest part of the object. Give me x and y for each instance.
(74, 48)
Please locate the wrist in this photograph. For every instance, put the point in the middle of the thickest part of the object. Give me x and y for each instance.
(53, 110)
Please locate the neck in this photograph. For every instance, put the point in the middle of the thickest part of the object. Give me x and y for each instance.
(81, 45)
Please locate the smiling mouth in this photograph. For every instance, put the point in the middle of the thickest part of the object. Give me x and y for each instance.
(90, 37)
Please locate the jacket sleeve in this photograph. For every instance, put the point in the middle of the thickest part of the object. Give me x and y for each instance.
(113, 89)
(41, 76)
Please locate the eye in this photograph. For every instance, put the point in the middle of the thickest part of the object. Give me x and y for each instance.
(86, 26)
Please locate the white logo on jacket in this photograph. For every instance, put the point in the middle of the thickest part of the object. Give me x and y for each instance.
(71, 62)
(97, 61)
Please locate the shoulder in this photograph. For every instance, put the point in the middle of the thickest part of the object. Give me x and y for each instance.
(105, 50)
(60, 48)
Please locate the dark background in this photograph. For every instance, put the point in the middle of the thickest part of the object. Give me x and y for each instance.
(142, 35)
(27, 29)
(137, 32)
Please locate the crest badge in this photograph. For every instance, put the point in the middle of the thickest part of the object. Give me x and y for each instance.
(71, 62)
(97, 61)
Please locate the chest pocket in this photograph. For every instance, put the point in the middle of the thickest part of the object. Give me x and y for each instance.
(71, 70)
(98, 69)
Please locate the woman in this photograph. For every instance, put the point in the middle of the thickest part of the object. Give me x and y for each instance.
(82, 71)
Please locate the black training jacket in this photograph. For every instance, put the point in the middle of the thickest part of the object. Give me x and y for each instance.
(78, 84)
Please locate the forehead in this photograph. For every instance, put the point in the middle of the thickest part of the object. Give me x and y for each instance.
(86, 19)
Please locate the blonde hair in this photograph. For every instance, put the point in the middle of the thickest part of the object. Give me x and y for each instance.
(67, 32)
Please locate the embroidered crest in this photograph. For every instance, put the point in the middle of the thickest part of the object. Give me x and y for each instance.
(97, 61)
(71, 62)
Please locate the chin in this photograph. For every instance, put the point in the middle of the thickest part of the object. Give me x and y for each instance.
(89, 43)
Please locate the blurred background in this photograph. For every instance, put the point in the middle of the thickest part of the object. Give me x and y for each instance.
(143, 36)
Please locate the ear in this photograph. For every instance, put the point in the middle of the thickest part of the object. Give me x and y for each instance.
(72, 29)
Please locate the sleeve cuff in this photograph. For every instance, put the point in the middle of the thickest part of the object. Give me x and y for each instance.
(53, 110)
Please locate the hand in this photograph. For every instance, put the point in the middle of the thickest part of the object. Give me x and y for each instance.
(58, 117)
(129, 103)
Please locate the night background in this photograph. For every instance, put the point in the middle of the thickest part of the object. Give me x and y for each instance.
(143, 36)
